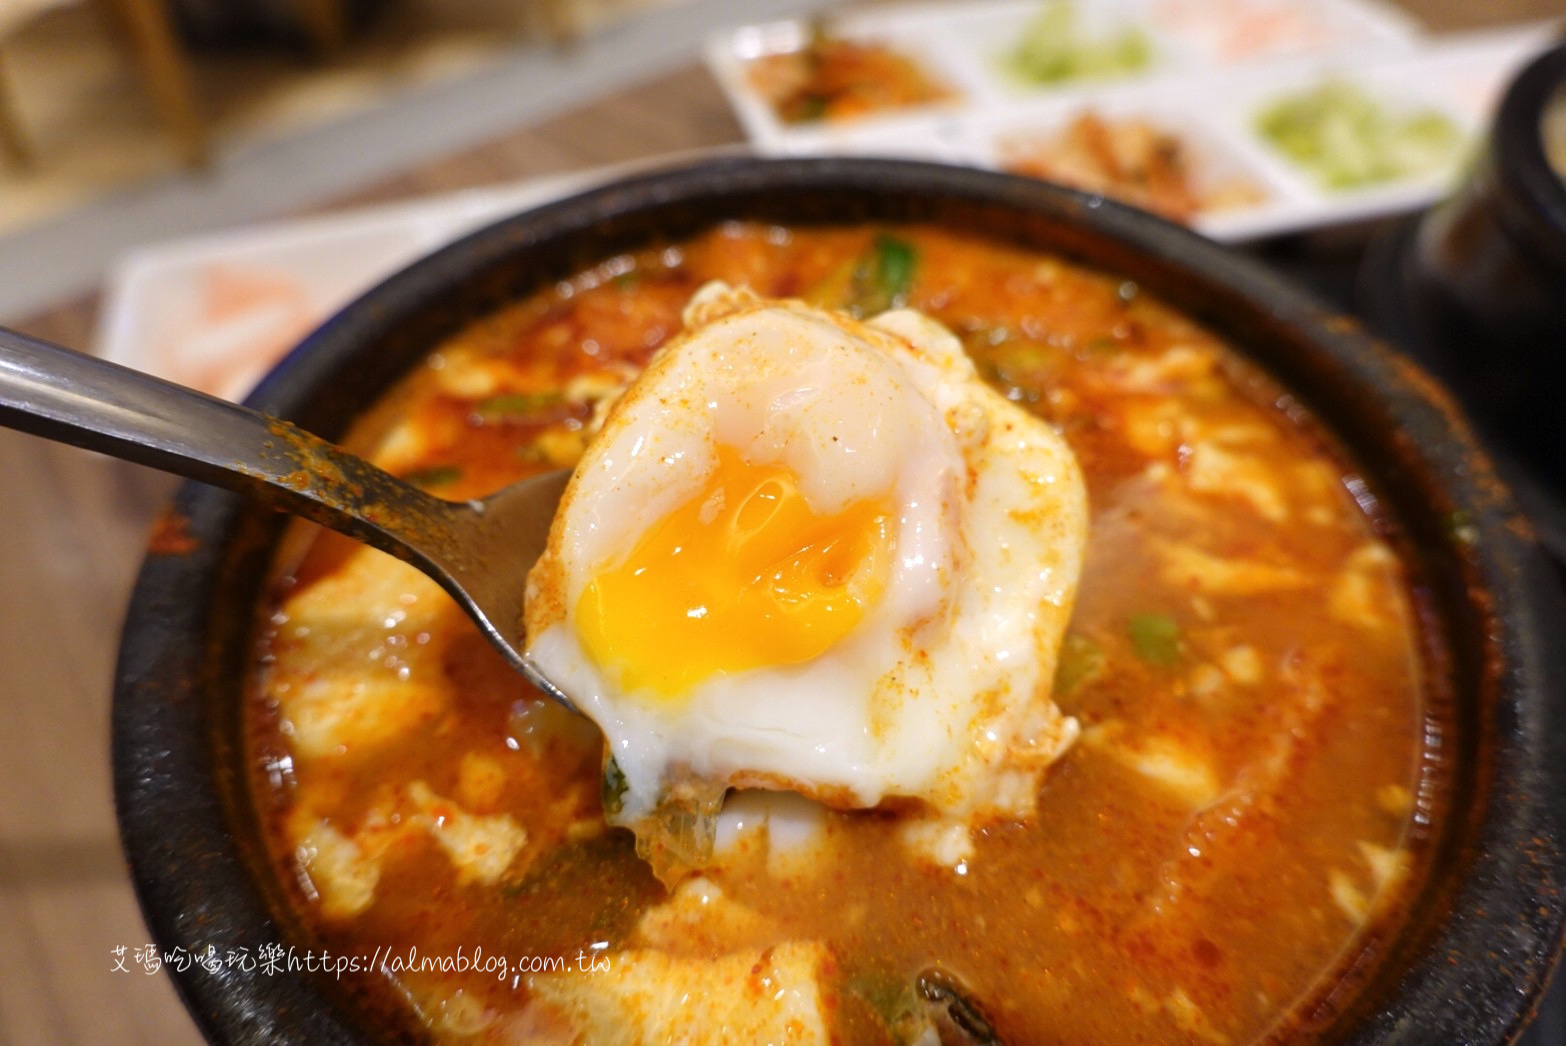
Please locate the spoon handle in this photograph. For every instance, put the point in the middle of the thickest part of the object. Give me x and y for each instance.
(73, 398)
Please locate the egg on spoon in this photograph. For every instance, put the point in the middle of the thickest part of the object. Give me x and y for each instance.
(810, 553)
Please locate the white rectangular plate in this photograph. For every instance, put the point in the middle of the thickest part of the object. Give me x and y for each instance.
(1216, 64)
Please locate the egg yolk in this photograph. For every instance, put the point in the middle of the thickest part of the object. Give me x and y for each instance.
(745, 574)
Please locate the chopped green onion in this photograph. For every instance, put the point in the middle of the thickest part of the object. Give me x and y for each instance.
(1020, 361)
(891, 996)
(883, 277)
(1081, 661)
(614, 788)
(1156, 639)
(516, 406)
(895, 261)
(434, 476)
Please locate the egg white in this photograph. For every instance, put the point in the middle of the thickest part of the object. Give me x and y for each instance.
(941, 692)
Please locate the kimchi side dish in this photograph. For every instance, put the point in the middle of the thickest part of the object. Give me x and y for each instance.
(832, 79)
(973, 649)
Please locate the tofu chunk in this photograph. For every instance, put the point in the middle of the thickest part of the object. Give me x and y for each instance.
(652, 997)
(700, 918)
(367, 644)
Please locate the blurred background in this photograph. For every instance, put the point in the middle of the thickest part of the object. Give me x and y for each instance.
(189, 186)
(128, 121)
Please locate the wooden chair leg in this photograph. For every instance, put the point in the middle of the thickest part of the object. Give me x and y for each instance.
(13, 143)
(167, 77)
(325, 22)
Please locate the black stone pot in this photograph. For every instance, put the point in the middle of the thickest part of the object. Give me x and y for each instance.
(1467, 966)
(1477, 287)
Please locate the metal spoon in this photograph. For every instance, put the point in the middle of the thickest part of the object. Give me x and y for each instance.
(479, 551)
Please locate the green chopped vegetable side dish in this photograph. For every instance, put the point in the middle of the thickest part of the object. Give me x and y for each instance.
(1345, 139)
(1054, 50)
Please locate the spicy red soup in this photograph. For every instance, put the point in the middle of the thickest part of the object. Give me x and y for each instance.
(1244, 660)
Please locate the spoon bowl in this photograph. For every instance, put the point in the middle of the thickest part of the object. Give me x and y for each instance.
(479, 551)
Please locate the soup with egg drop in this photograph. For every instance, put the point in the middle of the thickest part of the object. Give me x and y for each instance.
(1245, 802)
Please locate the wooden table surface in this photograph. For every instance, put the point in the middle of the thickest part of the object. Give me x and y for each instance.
(75, 525)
